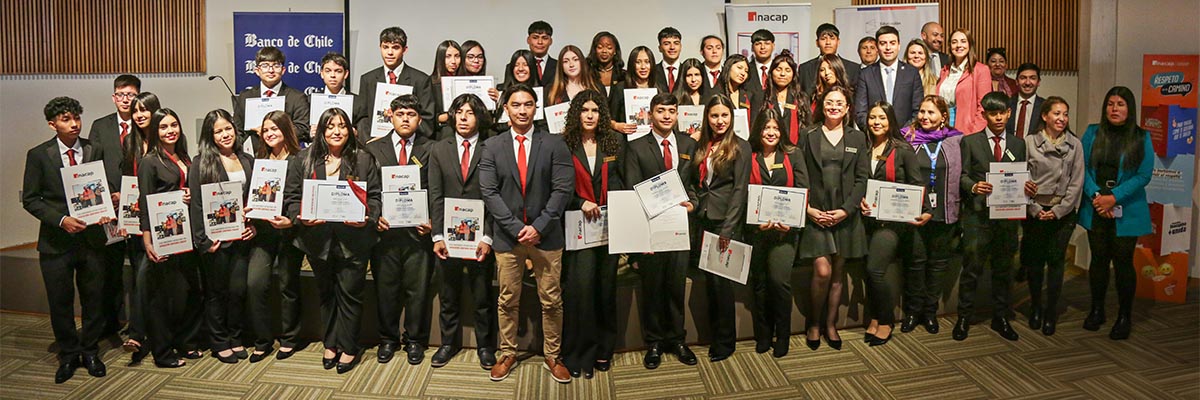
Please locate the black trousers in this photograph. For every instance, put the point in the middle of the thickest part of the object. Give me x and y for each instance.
(224, 277)
(270, 251)
(721, 313)
(589, 312)
(174, 305)
(476, 277)
(987, 241)
(1109, 249)
(403, 269)
(114, 291)
(771, 281)
(664, 284)
(925, 280)
(1043, 253)
(135, 287)
(888, 242)
(81, 267)
(340, 281)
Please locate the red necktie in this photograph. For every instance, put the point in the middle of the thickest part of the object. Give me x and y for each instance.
(391, 77)
(124, 131)
(671, 79)
(71, 157)
(539, 69)
(764, 77)
(1021, 120)
(715, 74)
(268, 93)
(521, 162)
(403, 153)
(996, 149)
(466, 159)
(667, 162)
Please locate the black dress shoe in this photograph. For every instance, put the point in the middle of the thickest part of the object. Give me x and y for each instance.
(1121, 328)
(653, 357)
(813, 344)
(781, 347)
(1001, 326)
(139, 355)
(66, 369)
(194, 355)
(835, 344)
(962, 328)
(589, 375)
(604, 366)
(385, 352)
(443, 355)
(231, 359)
(931, 325)
(716, 357)
(1048, 326)
(168, 363)
(867, 337)
(878, 341)
(1094, 319)
(283, 355)
(256, 356)
(575, 373)
(684, 354)
(347, 367)
(910, 322)
(416, 353)
(761, 346)
(329, 363)
(242, 354)
(1035, 318)
(487, 357)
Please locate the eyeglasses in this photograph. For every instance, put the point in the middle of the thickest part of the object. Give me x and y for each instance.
(829, 103)
(270, 66)
(474, 56)
(124, 96)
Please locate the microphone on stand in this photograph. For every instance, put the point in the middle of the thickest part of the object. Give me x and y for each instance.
(232, 96)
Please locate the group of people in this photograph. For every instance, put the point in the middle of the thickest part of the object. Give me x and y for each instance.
(915, 116)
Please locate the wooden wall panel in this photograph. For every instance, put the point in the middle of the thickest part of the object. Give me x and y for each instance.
(102, 36)
(1044, 32)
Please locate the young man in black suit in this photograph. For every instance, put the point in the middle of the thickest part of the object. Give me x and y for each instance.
(828, 39)
(107, 136)
(453, 173)
(986, 240)
(712, 49)
(1026, 106)
(335, 68)
(270, 66)
(763, 50)
(527, 178)
(540, 36)
(889, 80)
(402, 261)
(665, 274)
(669, 46)
(934, 36)
(393, 45)
(69, 250)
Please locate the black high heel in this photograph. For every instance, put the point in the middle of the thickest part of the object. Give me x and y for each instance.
(835, 344)
(878, 341)
(347, 367)
(813, 344)
(329, 363)
(231, 359)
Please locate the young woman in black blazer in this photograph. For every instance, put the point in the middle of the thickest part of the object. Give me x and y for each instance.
(164, 169)
(134, 147)
(775, 163)
(732, 84)
(892, 160)
(605, 59)
(691, 92)
(642, 74)
(590, 279)
(447, 61)
(785, 97)
(572, 76)
(338, 252)
(837, 157)
(222, 263)
(723, 173)
(519, 70)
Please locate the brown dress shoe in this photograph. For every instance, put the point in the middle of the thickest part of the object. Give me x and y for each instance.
(503, 367)
(558, 371)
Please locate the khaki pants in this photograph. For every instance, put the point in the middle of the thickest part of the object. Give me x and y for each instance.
(547, 269)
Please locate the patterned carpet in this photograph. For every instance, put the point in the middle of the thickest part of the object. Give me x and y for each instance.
(1160, 361)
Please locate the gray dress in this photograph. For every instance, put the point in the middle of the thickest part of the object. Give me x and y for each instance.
(847, 238)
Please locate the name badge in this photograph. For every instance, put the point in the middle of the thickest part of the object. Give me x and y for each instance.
(775, 166)
(1010, 155)
(416, 161)
(789, 106)
(852, 150)
(610, 159)
(933, 200)
(685, 156)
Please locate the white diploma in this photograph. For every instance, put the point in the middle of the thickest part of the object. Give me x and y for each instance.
(999, 167)
(401, 178)
(637, 110)
(257, 109)
(786, 205)
(537, 115)
(872, 196)
(463, 220)
(221, 203)
(381, 124)
(1002, 210)
(454, 86)
(129, 206)
(332, 201)
(170, 230)
(639, 233)
(556, 117)
(86, 188)
(318, 103)
(1008, 188)
(691, 118)
(899, 203)
(661, 192)
(265, 200)
(112, 233)
(753, 193)
(583, 233)
(406, 209)
(732, 264)
(741, 123)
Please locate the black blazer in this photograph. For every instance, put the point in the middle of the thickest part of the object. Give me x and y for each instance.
(295, 104)
(753, 80)
(906, 93)
(446, 180)
(707, 89)
(907, 170)
(196, 206)
(616, 100)
(1035, 120)
(316, 241)
(769, 102)
(550, 183)
(809, 70)
(614, 163)
(410, 76)
(643, 160)
(44, 198)
(977, 156)
(157, 175)
(660, 80)
(725, 198)
(799, 169)
(547, 77)
(385, 155)
(105, 136)
(856, 165)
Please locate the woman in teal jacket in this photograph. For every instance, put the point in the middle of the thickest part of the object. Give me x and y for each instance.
(1118, 159)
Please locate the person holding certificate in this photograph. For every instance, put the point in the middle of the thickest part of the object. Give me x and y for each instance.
(732, 84)
(892, 160)
(776, 163)
(590, 282)
(393, 45)
(837, 157)
(223, 264)
(692, 91)
(642, 73)
(402, 261)
(337, 251)
(783, 95)
(987, 240)
(133, 147)
(475, 64)
(572, 76)
(1056, 182)
(69, 251)
(1119, 160)
(453, 167)
(664, 279)
(270, 66)
(518, 70)
(164, 169)
(446, 62)
(722, 175)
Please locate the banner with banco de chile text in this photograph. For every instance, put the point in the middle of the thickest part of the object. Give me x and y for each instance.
(303, 37)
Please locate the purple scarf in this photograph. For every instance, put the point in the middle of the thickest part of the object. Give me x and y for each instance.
(917, 137)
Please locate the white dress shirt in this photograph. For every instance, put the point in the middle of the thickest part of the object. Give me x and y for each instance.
(708, 72)
(947, 88)
(62, 152)
(473, 142)
(992, 143)
(408, 146)
(674, 147)
(667, 69)
(399, 68)
(262, 89)
(1029, 111)
(888, 73)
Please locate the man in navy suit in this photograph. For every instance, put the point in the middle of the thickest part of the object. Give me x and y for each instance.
(889, 80)
(526, 178)
(1026, 106)
(393, 45)
(828, 40)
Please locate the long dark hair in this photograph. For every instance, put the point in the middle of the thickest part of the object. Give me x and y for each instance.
(154, 144)
(726, 148)
(682, 93)
(320, 149)
(209, 154)
(631, 68)
(760, 123)
(793, 89)
(893, 131)
(839, 71)
(723, 82)
(284, 122)
(439, 61)
(466, 47)
(133, 143)
(1127, 140)
(618, 63)
(606, 138)
(483, 119)
(558, 90)
(510, 78)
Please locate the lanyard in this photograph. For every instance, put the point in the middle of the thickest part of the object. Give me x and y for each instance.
(933, 157)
